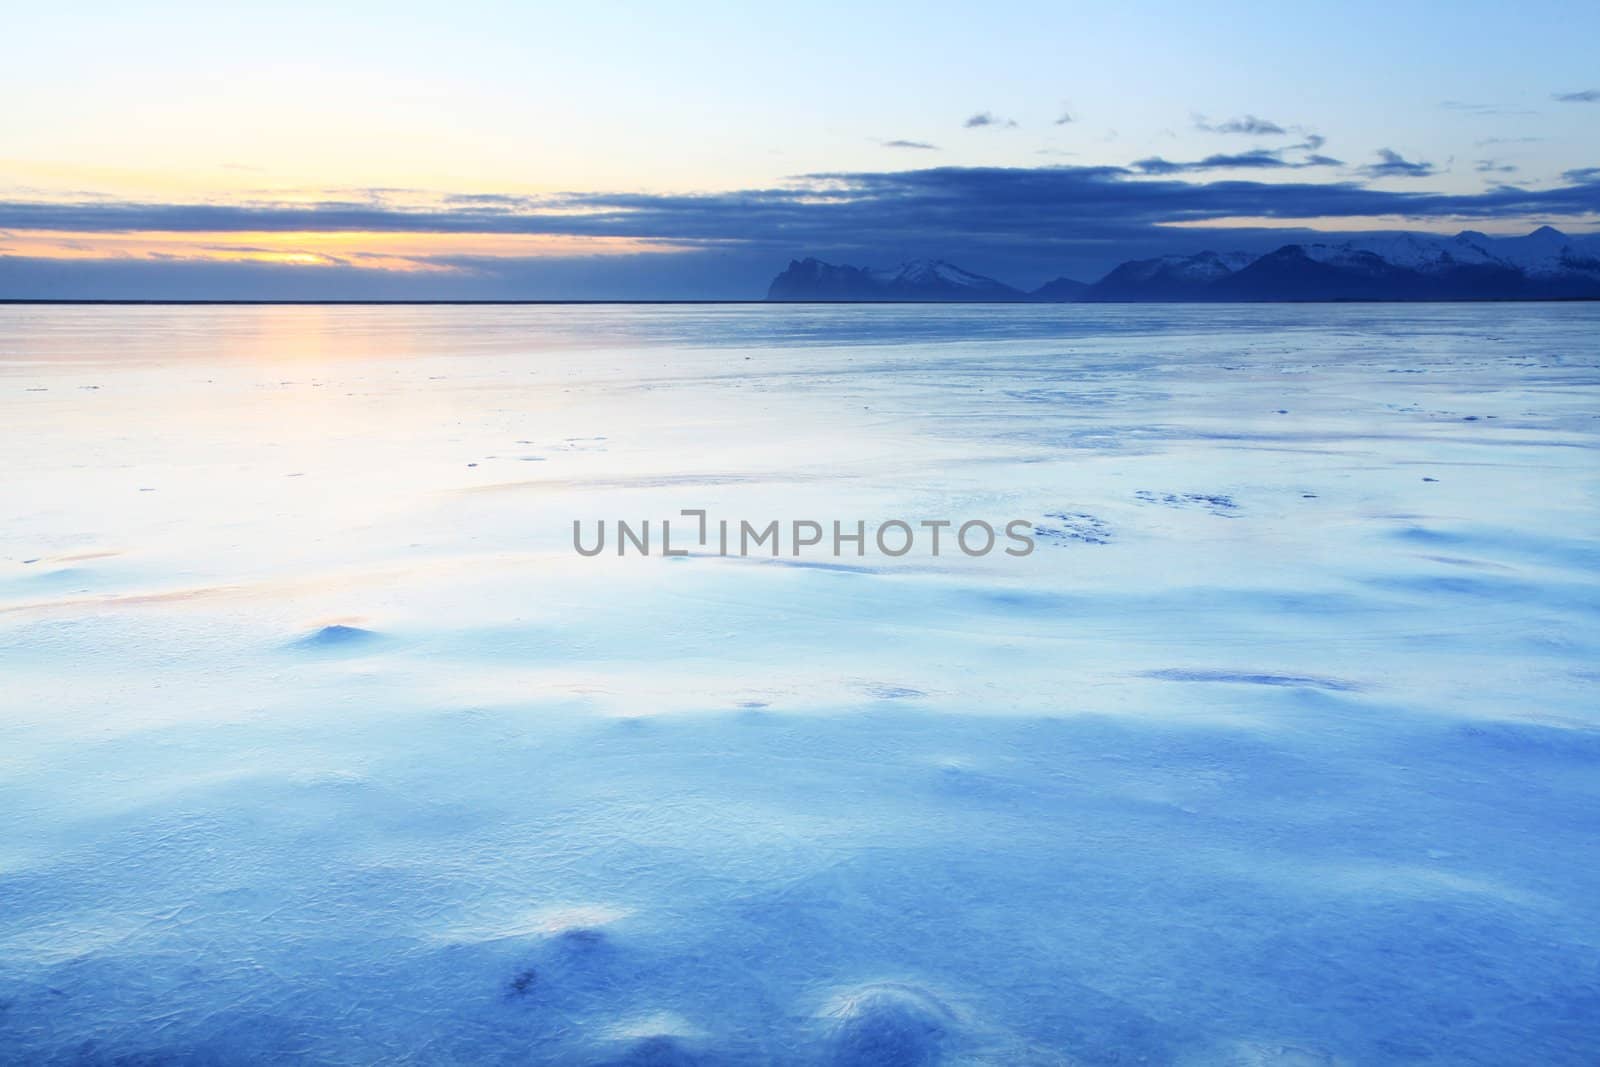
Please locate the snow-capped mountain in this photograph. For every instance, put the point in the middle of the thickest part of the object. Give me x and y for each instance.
(1543, 265)
(1546, 264)
(1546, 252)
(1412, 251)
(936, 276)
(1166, 277)
(918, 280)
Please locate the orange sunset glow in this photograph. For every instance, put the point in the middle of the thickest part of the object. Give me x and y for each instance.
(404, 252)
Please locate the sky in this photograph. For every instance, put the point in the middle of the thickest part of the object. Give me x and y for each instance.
(609, 150)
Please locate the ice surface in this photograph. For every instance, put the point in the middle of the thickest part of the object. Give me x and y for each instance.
(318, 743)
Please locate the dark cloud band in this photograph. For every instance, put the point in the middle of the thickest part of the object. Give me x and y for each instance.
(1015, 203)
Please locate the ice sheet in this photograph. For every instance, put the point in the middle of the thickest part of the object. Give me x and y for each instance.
(319, 742)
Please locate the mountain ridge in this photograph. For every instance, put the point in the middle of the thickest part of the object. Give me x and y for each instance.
(926, 280)
(1545, 264)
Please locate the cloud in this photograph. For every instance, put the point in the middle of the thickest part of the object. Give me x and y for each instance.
(1021, 203)
(1007, 221)
(1247, 124)
(1586, 96)
(1481, 109)
(1392, 164)
(1261, 158)
(1487, 141)
(1064, 119)
(486, 201)
(1493, 166)
(986, 118)
(1255, 159)
(910, 144)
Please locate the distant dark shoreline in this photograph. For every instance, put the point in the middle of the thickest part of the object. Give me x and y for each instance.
(366, 303)
(9, 301)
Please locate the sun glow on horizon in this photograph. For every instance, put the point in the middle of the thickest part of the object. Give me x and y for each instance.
(421, 252)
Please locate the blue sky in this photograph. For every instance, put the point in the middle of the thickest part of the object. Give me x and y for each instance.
(690, 150)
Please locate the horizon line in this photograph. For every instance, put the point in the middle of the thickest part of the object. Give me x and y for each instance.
(116, 302)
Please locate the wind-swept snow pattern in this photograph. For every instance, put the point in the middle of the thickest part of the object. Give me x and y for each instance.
(319, 743)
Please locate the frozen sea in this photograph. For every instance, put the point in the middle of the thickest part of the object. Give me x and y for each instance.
(319, 743)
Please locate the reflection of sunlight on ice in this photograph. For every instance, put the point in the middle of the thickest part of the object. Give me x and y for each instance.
(551, 921)
(559, 920)
(660, 1024)
(1375, 879)
(85, 934)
